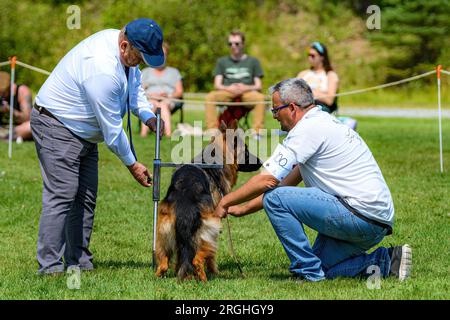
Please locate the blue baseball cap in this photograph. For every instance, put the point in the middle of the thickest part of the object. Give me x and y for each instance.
(146, 36)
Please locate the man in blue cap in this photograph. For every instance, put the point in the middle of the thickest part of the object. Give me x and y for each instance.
(81, 104)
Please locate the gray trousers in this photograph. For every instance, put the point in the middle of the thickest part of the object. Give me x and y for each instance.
(69, 168)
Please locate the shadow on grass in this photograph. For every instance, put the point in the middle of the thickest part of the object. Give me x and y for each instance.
(281, 277)
(117, 264)
(228, 269)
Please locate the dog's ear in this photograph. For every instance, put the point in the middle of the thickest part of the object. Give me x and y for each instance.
(223, 126)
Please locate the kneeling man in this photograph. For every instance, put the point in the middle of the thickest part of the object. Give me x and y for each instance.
(345, 197)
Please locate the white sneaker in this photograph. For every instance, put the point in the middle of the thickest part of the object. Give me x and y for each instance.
(401, 261)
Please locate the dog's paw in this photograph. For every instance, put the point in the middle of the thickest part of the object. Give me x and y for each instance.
(200, 274)
(160, 273)
(201, 277)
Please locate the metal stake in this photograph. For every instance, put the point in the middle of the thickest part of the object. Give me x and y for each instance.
(441, 158)
(11, 106)
(156, 183)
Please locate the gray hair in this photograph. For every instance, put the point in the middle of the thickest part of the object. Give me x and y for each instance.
(294, 90)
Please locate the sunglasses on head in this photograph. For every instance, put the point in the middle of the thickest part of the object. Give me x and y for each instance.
(237, 44)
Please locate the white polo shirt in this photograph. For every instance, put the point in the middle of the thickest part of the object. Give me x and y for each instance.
(88, 93)
(335, 159)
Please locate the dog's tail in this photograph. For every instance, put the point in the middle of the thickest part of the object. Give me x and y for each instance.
(187, 223)
(189, 191)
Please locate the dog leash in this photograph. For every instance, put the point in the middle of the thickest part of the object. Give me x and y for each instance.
(230, 242)
(233, 253)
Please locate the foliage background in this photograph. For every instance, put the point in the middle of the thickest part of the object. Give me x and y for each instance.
(413, 36)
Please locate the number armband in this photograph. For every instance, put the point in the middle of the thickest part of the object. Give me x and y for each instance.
(281, 162)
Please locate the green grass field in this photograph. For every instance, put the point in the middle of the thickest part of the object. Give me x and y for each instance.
(407, 151)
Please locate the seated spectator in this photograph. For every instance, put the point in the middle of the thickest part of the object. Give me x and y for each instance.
(161, 84)
(21, 109)
(323, 81)
(237, 77)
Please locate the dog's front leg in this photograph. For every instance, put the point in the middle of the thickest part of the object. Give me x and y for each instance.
(165, 242)
(211, 265)
(163, 265)
(206, 253)
(199, 267)
(162, 258)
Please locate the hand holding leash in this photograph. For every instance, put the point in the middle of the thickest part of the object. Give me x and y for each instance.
(141, 174)
(221, 211)
(236, 211)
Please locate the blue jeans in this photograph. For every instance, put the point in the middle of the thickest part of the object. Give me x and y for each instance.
(342, 240)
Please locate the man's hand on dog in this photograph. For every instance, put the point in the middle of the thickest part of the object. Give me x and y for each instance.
(151, 123)
(221, 211)
(236, 211)
(141, 174)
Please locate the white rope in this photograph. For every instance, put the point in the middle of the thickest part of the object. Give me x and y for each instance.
(223, 103)
(266, 102)
(382, 85)
(196, 101)
(33, 68)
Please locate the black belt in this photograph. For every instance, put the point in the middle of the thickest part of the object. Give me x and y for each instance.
(42, 110)
(359, 215)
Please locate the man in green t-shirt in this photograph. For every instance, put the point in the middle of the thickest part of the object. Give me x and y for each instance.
(236, 77)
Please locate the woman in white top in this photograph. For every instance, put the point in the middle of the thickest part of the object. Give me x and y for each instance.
(161, 84)
(323, 81)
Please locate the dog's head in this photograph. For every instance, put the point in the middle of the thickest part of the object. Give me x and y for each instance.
(227, 147)
(235, 149)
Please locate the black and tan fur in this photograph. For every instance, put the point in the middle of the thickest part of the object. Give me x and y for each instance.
(186, 224)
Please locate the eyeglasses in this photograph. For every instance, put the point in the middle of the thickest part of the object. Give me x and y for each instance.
(276, 109)
(237, 44)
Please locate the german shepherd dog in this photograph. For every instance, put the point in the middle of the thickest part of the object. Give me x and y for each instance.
(186, 222)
